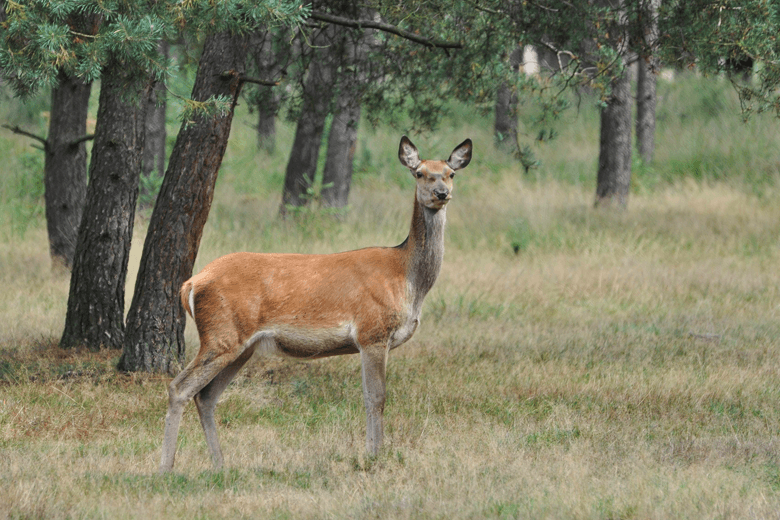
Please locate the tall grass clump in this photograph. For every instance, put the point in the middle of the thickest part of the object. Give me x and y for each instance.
(570, 362)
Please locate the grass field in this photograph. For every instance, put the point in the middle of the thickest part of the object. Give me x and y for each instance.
(617, 366)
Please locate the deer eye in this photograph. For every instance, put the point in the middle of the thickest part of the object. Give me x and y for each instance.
(452, 175)
(418, 174)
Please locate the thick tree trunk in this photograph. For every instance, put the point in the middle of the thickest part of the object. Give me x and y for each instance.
(337, 176)
(65, 169)
(154, 143)
(614, 174)
(154, 341)
(302, 165)
(95, 315)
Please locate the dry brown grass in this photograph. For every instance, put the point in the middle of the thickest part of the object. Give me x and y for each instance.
(618, 366)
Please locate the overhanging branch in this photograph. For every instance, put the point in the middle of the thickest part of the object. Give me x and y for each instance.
(385, 27)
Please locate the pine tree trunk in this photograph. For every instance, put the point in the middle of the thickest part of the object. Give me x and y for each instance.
(506, 115)
(154, 341)
(154, 143)
(614, 174)
(266, 100)
(342, 140)
(95, 316)
(646, 84)
(645, 111)
(505, 125)
(65, 169)
(302, 165)
(266, 125)
(337, 176)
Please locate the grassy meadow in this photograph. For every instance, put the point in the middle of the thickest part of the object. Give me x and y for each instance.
(570, 363)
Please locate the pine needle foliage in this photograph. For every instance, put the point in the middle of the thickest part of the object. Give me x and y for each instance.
(40, 38)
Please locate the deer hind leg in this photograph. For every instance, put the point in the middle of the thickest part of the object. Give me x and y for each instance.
(196, 375)
(206, 402)
(373, 363)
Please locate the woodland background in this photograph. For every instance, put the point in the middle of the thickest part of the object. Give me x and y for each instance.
(616, 361)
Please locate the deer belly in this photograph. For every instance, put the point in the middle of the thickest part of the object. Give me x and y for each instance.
(305, 342)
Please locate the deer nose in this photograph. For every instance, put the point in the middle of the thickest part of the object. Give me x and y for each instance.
(441, 194)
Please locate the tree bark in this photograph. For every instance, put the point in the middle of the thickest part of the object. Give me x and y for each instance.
(65, 168)
(337, 176)
(302, 165)
(645, 111)
(154, 341)
(266, 124)
(95, 315)
(646, 85)
(342, 139)
(614, 173)
(506, 115)
(154, 143)
(266, 100)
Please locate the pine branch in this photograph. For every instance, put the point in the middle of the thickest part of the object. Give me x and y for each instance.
(82, 139)
(17, 130)
(258, 81)
(392, 29)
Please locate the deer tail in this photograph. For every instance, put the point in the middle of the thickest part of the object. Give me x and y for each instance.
(187, 295)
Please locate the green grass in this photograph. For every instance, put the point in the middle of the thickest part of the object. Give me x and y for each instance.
(570, 363)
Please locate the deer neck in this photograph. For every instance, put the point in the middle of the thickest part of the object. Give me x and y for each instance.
(425, 247)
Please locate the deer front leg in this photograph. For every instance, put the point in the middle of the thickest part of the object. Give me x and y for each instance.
(373, 362)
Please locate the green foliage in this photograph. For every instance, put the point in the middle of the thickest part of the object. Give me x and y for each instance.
(77, 37)
(313, 218)
(149, 187)
(25, 192)
(727, 37)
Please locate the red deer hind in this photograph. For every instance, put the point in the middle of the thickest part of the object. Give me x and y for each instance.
(310, 306)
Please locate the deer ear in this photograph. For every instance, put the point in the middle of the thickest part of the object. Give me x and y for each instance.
(460, 156)
(408, 154)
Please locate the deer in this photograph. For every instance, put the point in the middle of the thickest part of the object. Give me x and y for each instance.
(367, 301)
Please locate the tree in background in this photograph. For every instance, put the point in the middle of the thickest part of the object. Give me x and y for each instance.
(613, 179)
(271, 54)
(153, 161)
(648, 67)
(65, 167)
(506, 115)
(316, 100)
(337, 74)
(65, 163)
(718, 37)
(41, 41)
(342, 138)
